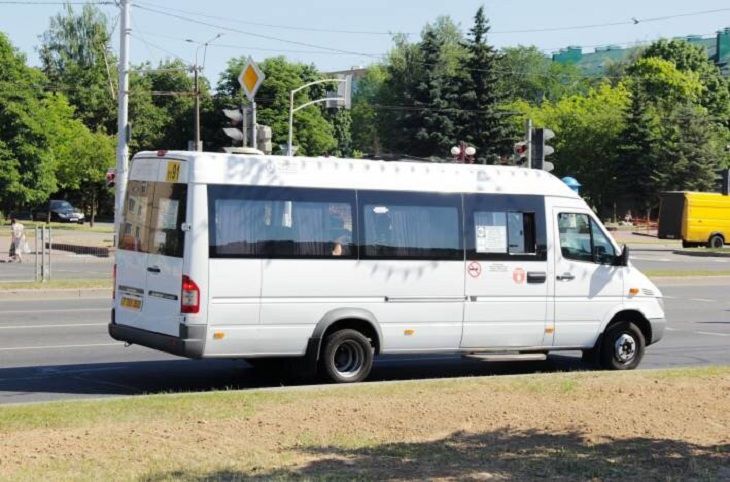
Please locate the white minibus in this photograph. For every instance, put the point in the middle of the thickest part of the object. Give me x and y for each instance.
(332, 262)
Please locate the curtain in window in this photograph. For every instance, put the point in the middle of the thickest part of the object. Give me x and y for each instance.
(239, 227)
(309, 223)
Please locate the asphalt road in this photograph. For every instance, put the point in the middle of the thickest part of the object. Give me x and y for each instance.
(59, 349)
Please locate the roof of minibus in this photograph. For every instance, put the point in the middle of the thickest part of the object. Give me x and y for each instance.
(339, 173)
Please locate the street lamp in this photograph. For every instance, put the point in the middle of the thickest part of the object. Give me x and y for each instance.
(196, 68)
(463, 153)
(343, 95)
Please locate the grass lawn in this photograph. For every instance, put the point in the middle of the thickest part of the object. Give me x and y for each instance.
(648, 424)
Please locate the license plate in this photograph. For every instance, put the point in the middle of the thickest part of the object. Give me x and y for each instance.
(73, 219)
(131, 303)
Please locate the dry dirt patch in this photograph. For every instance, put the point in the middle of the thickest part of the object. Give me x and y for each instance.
(649, 424)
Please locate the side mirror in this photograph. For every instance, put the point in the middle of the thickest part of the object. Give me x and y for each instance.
(623, 259)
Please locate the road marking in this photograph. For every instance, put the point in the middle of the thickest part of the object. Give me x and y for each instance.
(711, 333)
(63, 310)
(48, 347)
(702, 300)
(19, 327)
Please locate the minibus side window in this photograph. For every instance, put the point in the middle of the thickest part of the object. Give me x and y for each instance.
(581, 239)
(286, 223)
(505, 227)
(400, 225)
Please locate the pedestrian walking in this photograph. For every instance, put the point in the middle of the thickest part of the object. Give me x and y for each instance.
(17, 240)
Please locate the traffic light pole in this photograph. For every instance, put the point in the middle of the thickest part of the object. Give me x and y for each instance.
(528, 139)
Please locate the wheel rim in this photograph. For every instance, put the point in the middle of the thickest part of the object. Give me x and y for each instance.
(717, 242)
(625, 348)
(348, 359)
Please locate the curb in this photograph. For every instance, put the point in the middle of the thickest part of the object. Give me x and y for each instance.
(56, 294)
(702, 254)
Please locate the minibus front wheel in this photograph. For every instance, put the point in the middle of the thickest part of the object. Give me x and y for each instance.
(347, 356)
(622, 346)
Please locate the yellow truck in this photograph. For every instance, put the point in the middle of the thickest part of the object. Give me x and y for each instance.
(697, 218)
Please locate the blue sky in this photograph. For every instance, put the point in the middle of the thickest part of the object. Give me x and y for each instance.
(157, 36)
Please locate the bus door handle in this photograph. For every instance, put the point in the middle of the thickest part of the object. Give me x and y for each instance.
(536, 277)
(153, 269)
(565, 277)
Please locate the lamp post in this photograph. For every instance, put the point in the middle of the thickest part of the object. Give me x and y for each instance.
(196, 68)
(345, 97)
(464, 153)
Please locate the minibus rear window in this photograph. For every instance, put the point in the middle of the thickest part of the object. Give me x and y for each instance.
(152, 218)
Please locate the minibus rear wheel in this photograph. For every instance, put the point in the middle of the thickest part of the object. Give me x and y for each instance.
(622, 347)
(347, 356)
(716, 241)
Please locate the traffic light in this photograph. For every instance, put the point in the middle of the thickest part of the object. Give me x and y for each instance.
(540, 150)
(520, 151)
(237, 118)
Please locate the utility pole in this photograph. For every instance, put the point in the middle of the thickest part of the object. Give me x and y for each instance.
(197, 108)
(122, 115)
(528, 139)
(196, 69)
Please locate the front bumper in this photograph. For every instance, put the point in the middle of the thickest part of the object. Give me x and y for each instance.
(190, 342)
(658, 326)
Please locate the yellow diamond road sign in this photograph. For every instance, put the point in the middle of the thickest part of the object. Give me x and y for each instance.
(250, 78)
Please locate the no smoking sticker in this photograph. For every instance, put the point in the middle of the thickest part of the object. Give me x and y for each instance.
(518, 276)
(474, 269)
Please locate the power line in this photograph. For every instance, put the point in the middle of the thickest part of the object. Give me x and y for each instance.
(243, 32)
(632, 21)
(275, 26)
(31, 3)
(240, 47)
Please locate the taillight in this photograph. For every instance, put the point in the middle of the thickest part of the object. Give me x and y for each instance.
(114, 281)
(190, 299)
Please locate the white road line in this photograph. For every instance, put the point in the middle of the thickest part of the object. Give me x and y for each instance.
(703, 300)
(63, 310)
(711, 333)
(47, 347)
(60, 325)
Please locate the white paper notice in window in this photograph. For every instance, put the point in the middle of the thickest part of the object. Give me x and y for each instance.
(491, 239)
(167, 214)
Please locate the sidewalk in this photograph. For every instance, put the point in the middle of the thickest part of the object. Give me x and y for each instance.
(55, 294)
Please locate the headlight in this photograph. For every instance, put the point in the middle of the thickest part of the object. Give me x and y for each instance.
(62, 215)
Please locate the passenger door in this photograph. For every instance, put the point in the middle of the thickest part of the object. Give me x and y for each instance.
(587, 284)
(506, 279)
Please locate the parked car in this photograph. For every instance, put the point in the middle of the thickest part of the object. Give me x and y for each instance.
(61, 211)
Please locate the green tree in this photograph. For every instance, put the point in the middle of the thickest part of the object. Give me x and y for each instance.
(587, 129)
(76, 57)
(81, 157)
(687, 57)
(485, 122)
(26, 158)
(527, 73)
(365, 113)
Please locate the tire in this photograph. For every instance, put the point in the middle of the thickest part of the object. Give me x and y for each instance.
(716, 241)
(622, 347)
(347, 357)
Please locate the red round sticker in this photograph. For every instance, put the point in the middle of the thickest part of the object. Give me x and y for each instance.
(518, 276)
(474, 269)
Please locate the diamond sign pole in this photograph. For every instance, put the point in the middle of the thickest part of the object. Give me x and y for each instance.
(251, 79)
